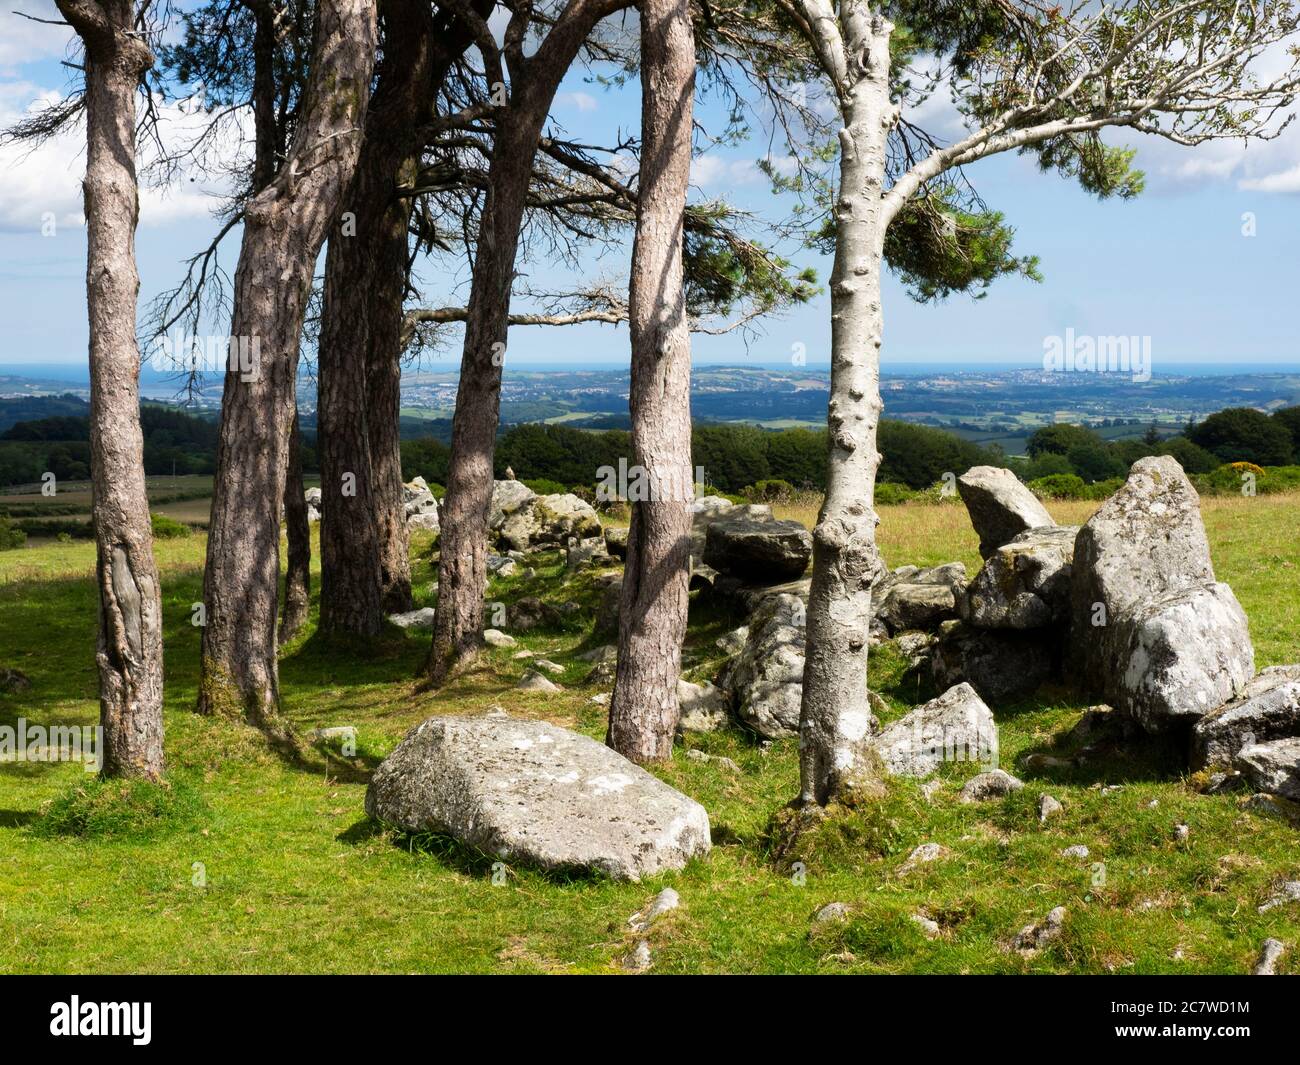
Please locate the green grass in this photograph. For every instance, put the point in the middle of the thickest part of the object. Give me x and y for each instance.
(252, 864)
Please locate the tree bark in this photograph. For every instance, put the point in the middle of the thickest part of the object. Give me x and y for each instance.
(835, 761)
(384, 399)
(129, 650)
(652, 618)
(364, 566)
(462, 563)
(297, 575)
(284, 227)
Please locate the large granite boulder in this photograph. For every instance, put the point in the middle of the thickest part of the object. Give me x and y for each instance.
(766, 679)
(1146, 541)
(759, 551)
(1024, 584)
(909, 598)
(1268, 708)
(529, 792)
(1000, 664)
(1179, 657)
(1152, 630)
(1000, 507)
(957, 726)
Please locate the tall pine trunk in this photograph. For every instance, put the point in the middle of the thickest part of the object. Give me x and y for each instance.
(835, 760)
(297, 574)
(463, 545)
(129, 650)
(363, 527)
(384, 401)
(284, 227)
(652, 618)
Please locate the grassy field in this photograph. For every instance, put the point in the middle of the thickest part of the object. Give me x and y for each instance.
(292, 877)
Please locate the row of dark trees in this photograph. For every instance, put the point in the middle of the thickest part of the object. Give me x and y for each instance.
(402, 131)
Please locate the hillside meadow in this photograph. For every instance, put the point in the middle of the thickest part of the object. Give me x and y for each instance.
(268, 864)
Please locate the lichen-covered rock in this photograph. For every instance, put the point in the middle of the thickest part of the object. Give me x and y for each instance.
(1268, 708)
(994, 784)
(616, 540)
(759, 551)
(766, 678)
(530, 792)
(1000, 507)
(1000, 664)
(921, 599)
(1025, 583)
(580, 553)
(508, 497)
(1152, 630)
(709, 509)
(703, 707)
(531, 613)
(955, 727)
(556, 518)
(414, 619)
(1273, 767)
(1178, 657)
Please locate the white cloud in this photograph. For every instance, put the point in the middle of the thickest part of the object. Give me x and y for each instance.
(711, 170)
(36, 183)
(24, 41)
(1285, 181)
(583, 101)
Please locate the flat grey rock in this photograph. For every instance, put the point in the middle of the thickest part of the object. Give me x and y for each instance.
(1268, 708)
(531, 792)
(1273, 767)
(414, 619)
(957, 726)
(765, 551)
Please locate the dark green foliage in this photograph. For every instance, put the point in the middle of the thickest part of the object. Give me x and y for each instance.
(1059, 439)
(1242, 434)
(174, 442)
(918, 455)
(10, 535)
(1193, 459)
(1060, 486)
(165, 528)
(937, 248)
(426, 457)
(1289, 418)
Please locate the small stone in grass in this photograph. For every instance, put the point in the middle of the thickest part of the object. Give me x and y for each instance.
(1270, 953)
(1048, 807)
(832, 911)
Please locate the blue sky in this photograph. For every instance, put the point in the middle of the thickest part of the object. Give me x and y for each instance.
(1173, 265)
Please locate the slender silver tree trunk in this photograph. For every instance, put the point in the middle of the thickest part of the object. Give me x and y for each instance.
(652, 619)
(129, 651)
(835, 759)
(284, 227)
